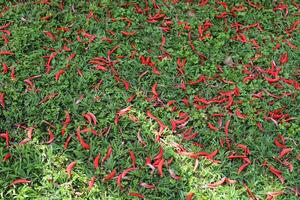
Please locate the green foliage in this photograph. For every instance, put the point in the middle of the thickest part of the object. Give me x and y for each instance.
(45, 165)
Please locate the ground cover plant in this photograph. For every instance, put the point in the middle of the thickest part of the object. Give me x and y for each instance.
(149, 99)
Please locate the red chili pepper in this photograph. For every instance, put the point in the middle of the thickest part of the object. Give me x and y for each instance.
(108, 154)
(13, 75)
(6, 157)
(190, 196)
(5, 26)
(90, 117)
(226, 133)
(173, 175)
(96, 161)
(160, 154)
(51, 137)
(110, 176)
(66, 122)
(133, 194)
(64, 29)
(49, 35)
(70, 168)
(48, 64)
(128, 33)
(280, 144)
(58, 74)
(101, 68)
(239, 114)
(20, 181)
(5, 68)
(126, 84)
(147, 186)
(254, 5)
(212, 127)
(138, 9)
(124, 111)
(202, 3)
(6, 53)
(2, 100)
(244, 148)
(250, 193)
(140, 139)
(4, 37)
(281, 6)
(131, 98)
(154, 87)
(92, 182)
(82, 142)
(163, 41)
(243, 167)
(221, 182)
(67, 142)
(284, 58)
(133, 159)
(277, 173)
(160, 167)
(71, 56)
(285, 151)
(122, 175)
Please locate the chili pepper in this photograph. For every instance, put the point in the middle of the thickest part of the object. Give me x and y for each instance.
(92, 182)
(20, 181)
(202, 3)
(277, 173)
(70, 168)
(254, 5)
(51, 137)
(133, 159)
(110, 176)
(154, 88)
(250, 193)
(96, 161)
(221, 182)
(283, 7)
(6, 53)
(82, 142)
(2, 100)
(284, 58)
(108, 154)
(173, 175)
(49, 35)
(147, 186)
(160, 167)
(190, 196)
(67, 142)
(128, 33)
(6, 157)
(138, 9)
(133, 194)
(212, 127)
(90, 117)
(5, 39)
(285, 151)
(126, 85)
(12, 74)
(124, 111)
(122, 175)
(226, 133)
(58, 74)
(5, 26)
(5, 68)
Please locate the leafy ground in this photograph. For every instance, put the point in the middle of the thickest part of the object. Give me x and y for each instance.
(158, 100)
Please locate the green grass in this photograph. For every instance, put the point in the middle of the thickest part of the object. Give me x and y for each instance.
(45, 164)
